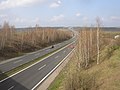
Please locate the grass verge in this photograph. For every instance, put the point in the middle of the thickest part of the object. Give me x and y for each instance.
(106, 74)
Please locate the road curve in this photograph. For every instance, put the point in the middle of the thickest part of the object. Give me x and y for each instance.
(4, 67)
(27, 79)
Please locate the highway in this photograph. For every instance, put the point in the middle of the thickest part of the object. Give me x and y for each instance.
(33, 76)
(29, 78)
(4, 67)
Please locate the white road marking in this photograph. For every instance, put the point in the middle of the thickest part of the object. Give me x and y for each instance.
(36, 62)
(17, 61)
(11, 87)
(42, 67)
(56, 56)
(51, 71)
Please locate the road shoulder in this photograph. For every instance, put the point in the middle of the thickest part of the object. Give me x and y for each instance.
(51, 78)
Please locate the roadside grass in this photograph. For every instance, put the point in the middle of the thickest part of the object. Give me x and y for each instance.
(21, 67)
(58, 83)
(109, 34)
(106, 74)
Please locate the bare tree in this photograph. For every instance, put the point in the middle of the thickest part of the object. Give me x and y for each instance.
(43, 34)
(4, 36)
(98, 39)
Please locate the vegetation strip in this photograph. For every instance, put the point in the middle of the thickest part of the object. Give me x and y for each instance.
(14, 42)
(83, 72)
(17, 69)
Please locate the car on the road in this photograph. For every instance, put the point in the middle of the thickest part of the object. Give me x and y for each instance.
(52, 46)
(72, 46)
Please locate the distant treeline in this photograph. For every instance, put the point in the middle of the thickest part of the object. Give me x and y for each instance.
(14, 41)
(113, 29)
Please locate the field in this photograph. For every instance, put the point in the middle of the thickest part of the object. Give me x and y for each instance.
(103, 76)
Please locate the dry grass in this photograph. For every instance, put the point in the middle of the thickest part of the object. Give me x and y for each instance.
(14, 43)
(107, 73)
(104, 76)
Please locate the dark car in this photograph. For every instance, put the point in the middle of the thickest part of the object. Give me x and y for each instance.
(52, 46)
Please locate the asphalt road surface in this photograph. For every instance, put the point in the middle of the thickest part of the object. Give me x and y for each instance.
(4, 67)
(30, 77)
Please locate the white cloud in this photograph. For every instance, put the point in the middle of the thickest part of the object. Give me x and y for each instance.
(115, 18)
(59, 2)
(78, 14)
(20, 20)
(103, 19)
(3, 16)
(17, 3)
(36, 20)
(57, 18)
(55, 4)
(85, 18)
(23, 20)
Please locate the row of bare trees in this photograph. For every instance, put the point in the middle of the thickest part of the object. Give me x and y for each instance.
(30, 39)
(87, 51)
(88, 45)
(6, 34)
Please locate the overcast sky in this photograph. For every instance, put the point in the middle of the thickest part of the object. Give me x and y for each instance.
(22, 13)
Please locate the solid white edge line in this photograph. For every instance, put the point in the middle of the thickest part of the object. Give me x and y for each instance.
(11, 87)
(36, 63)
(51, 71)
